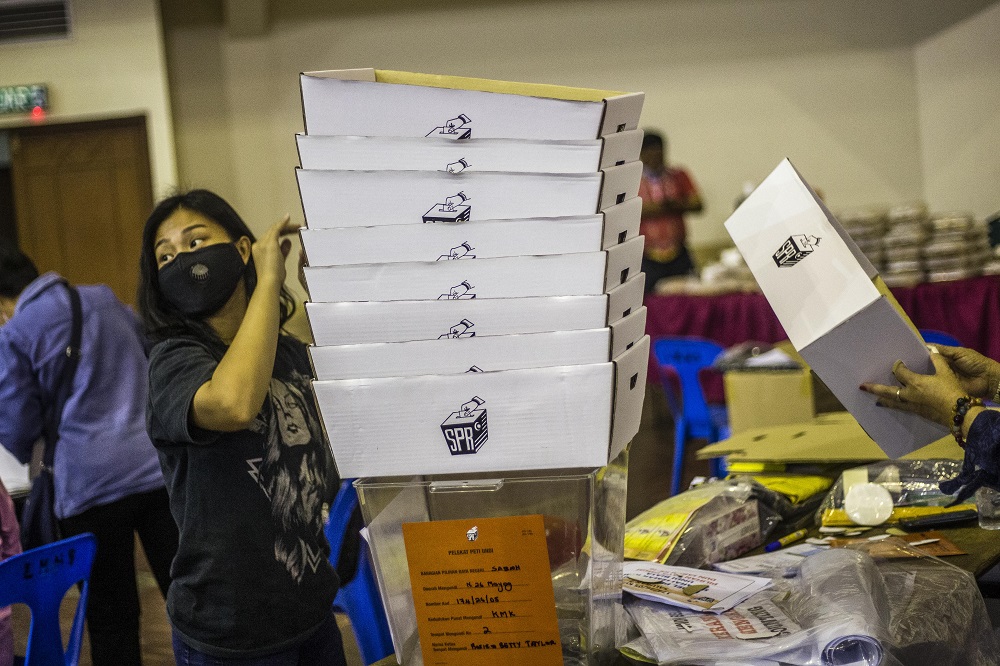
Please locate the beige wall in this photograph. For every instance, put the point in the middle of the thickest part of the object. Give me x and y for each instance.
(958, 84)
(736, 84)
(112, 65)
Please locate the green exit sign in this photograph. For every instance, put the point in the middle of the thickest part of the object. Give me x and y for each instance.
(23, 99)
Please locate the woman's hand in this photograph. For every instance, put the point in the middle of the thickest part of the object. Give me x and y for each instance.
(978, 374)
(931, 396)
(271, 249)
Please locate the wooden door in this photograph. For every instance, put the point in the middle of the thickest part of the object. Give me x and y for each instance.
(82, 192)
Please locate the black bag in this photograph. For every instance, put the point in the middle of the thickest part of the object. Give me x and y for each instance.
(39, 524)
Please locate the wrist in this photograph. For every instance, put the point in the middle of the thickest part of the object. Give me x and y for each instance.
(961, 419)
(970, 417)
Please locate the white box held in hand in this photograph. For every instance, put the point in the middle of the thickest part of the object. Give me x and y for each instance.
(503, 277)
(375, 102)
(829, 299)
(481, 353)
(538, 418)
(368, 198)
(351, 323)
(473, 240)
(368, 153)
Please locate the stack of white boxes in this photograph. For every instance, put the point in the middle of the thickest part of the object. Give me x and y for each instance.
(476, 303)
(473, 272)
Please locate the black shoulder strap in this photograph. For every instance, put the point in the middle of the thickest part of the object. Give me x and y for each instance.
(65, 386)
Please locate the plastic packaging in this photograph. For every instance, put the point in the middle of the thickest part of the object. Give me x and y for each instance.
(843, 607)
(716, 521)
(912, 484)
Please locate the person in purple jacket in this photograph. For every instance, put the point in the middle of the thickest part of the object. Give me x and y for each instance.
(107, 475)
(10, 545)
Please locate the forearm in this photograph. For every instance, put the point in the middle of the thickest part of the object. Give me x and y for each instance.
(231, 399)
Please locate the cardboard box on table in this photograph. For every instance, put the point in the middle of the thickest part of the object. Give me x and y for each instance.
(503, 277)
(350, 323)
(473, 240)
(758, 398)
(828, 438)
(831, 302)
(370, 102)
(369, 198)
(363, 153)
(478, 353)
(538, 418)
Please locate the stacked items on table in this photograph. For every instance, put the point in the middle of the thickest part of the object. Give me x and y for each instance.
(476, 304)
(866, 227)
(911, 246)
(957, 247)
(904, 238)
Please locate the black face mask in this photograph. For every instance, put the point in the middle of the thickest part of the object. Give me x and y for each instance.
(200, 282)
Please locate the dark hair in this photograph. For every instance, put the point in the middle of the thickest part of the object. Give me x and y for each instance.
(652, 139)
(17, 271)
(161, 319)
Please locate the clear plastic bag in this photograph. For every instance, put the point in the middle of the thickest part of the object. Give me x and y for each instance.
(913, 485)
(843, 607)
(713, 522)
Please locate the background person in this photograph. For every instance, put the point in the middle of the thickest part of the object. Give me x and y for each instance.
(233, 417)
(107, 477)
(667, 192)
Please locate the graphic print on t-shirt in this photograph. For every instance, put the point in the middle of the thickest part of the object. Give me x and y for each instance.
(293, 474)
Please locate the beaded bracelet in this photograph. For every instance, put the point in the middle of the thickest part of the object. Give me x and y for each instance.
(996, 395)
(962, 406)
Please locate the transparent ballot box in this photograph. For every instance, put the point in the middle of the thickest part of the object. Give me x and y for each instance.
(583, 513)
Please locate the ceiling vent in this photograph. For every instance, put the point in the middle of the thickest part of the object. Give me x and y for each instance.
(31, 20)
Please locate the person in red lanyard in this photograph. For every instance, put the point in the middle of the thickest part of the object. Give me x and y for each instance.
(667, 192)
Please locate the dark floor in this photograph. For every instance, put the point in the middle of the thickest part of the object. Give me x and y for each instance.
(649, 481)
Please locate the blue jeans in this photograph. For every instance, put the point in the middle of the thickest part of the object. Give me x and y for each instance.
(324, 648)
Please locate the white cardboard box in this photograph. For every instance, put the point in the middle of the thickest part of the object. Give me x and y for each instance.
(363, 153)
(473, 240)
(369, 198)
(484, 353)
(576, 274)
(370, 102)
(829, 299)
(538, 418)
(349, 323)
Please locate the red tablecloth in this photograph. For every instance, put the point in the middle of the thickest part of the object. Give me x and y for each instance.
(967, 309)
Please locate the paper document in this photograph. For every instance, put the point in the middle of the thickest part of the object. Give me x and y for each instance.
(694, 589)
(778, 561)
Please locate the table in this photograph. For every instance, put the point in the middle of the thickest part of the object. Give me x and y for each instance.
(968, 309)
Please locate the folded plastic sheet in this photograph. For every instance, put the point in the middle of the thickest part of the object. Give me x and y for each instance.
(842, 608)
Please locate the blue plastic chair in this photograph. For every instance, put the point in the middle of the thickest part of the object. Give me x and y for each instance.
(933, 337)
(693, 417)
(358, 597)
(40, 578)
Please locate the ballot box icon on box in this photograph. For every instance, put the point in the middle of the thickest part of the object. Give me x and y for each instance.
(460, 292)
(452, 210)
(462, 329)
(453, 128)
(795, 249)
(465, 430)
(461, 251)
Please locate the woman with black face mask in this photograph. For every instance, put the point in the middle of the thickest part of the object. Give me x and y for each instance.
(233, 419)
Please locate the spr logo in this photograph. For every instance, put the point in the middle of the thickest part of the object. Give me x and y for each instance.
(794, 250)
(473, 533)
(465, 431)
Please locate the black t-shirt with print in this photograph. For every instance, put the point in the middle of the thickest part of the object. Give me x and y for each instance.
(252, 572)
